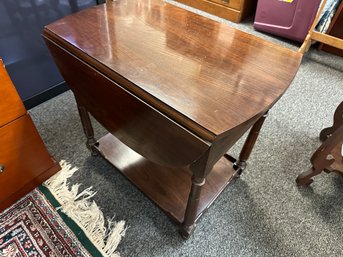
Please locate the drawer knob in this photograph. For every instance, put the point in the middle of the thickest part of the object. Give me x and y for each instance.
(225, 1)
(2, 168)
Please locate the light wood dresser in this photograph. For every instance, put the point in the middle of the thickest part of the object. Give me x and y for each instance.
(24, 161)
(233, 10)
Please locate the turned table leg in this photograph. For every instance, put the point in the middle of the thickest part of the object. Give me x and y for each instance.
(241, 164)
(188, 225)
(87, 128)
(200, 169)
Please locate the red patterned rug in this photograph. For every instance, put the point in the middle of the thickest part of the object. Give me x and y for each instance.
(33, 227)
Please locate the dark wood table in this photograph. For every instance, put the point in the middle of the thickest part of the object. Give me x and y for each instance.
(175, 90)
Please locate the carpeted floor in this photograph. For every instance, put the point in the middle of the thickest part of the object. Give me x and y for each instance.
(263, 213)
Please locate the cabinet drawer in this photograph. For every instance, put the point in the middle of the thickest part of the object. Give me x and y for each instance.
(23, 156)
(11, 105)
(234, 4)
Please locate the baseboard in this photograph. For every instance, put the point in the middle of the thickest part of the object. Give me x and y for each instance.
(45, 95)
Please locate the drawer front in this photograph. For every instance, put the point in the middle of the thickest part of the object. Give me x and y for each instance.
(23, 156)
(234, 4)
(11, 106)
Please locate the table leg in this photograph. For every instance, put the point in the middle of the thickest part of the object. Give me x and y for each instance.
(241, 164)
(87, 128)
(188, 225)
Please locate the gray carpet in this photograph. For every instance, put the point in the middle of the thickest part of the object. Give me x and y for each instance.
(263, 213)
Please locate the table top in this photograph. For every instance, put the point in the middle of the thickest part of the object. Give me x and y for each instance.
(206, 76)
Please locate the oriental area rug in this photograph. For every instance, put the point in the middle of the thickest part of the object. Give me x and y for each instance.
(55, 220)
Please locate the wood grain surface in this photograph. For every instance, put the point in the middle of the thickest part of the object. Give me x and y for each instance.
(25, 160)
(167, 187)
(11, 105)
(203, 74)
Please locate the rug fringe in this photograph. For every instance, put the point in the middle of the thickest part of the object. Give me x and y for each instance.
(86, 213)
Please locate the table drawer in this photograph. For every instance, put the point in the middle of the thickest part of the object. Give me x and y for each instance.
(23, 156)
(10, 104)
(234, 4)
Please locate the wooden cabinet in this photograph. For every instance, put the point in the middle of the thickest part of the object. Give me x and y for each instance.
(24, 161)
(336, 30)
(233, 10)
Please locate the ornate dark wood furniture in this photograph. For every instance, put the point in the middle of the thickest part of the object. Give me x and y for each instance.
(24, 160)
(175, 90)
(328, 157)
(233, 10)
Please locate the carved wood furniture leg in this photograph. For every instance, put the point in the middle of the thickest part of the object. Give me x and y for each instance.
(188, 225)
(337, 121)
(87, 128)
(322, 158)
(241, 164)
(305, 178)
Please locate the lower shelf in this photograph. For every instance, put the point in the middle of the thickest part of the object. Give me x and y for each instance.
(166, 187)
